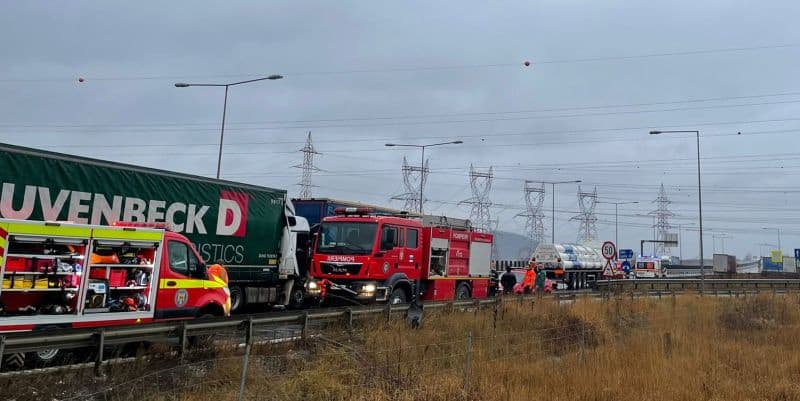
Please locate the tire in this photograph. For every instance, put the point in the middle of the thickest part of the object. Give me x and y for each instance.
(297, 299)
(205, 341)
(398, 296)
(237, 298)
(14, 361)
(462, 292)
(43, 358)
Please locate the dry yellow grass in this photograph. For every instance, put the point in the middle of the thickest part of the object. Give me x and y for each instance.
(689, 348)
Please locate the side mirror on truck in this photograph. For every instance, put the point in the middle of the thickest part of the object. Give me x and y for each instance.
(298, 224)
(201, 272)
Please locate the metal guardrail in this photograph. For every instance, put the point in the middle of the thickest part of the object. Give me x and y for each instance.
(709, 285)
(182, 330)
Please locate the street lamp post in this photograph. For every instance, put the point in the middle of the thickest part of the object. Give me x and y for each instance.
(225, 107)
(422, 165)
(554, 183)
(761, 249)
(616, 217)
(699, 199)
(778, 229)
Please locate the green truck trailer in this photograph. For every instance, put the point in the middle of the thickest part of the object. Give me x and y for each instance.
(253, 229)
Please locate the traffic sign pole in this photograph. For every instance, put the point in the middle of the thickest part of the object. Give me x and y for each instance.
(609, 251)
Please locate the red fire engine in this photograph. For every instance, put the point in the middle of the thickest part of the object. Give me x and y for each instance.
(365, 257)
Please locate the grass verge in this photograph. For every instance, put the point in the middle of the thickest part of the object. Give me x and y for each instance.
(685, 348)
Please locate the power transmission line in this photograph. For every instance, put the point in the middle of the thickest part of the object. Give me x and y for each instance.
(587, 201)
(308, 168)
(481, 186)
(414, 68)
(414, 178)
(534, 215)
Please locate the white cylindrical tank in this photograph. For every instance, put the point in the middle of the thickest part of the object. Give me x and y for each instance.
(567, 257)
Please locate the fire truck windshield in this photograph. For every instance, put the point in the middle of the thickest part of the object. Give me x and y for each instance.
(341, 238)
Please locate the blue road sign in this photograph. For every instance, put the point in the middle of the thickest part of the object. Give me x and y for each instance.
(626, 253)
(626, 266)
(797, 253)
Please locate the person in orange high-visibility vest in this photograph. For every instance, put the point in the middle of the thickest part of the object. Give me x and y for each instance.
(529, 280)
(218, 270)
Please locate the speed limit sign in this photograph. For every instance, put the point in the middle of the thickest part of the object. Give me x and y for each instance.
(609, 250)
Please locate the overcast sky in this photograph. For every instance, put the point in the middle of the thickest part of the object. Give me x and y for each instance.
(359, 74)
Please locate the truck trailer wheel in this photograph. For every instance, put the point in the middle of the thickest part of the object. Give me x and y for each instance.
(462, 292)
(237, 298)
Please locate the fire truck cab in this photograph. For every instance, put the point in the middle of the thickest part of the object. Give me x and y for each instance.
(363, 257)
(62, 275)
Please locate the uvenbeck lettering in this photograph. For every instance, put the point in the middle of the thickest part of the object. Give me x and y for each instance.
(93, 208)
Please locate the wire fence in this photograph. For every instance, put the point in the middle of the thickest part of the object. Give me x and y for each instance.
(328, 366)
(337, 363)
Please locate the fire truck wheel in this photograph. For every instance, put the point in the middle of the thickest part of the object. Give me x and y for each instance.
(398, 296)
(237, 298)
(204, 341)
(462, 292)
(45, 357)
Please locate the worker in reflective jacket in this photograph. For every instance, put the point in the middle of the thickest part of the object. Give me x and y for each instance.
(541, 278)
(218, 270)
(529, 280)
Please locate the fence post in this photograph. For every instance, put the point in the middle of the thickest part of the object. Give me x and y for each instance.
(183, 341)
(494, 316)
(668, 344)
(248, 341)
(304, 331)
(388, 312)
(349, 314)
(2, 349)
(583, 341)
(98, 362)
(468, 362)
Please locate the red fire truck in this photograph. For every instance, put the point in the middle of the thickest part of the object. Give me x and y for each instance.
(59, 275)
(365, 257)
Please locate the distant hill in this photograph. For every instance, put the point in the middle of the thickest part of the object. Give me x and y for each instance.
(511, 246)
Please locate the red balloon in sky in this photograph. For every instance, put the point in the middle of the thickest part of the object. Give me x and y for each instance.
(527, 63)
(81, 79)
